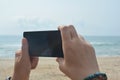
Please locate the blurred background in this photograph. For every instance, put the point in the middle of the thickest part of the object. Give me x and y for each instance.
(97, 20)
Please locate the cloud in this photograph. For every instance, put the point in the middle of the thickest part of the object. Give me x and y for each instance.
(17, 25)
(34, 22)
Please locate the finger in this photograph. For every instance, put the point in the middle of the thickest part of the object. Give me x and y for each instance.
(57, 59)
(65, 33)
(73, 31)
(60, 62)
(18, 55)
(34, 62)
(25, 48)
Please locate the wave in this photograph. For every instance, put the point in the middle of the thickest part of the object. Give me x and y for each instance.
(9, 45)
(104, 43)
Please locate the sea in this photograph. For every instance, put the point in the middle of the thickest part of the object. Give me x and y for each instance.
(105, 46)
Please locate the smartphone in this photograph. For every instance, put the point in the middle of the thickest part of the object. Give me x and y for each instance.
(44, 43)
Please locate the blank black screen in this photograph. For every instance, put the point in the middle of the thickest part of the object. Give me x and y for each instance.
(44, 43)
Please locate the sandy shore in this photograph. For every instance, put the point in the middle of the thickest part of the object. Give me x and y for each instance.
(48, 69)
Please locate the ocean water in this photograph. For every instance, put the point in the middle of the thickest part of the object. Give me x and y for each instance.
(104, 45)
(9, 45)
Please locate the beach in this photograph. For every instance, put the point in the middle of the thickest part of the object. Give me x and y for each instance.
(47, 69)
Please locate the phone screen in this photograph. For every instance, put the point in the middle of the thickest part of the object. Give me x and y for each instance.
(44, 43)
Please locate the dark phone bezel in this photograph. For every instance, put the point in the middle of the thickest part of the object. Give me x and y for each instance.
(27, 34)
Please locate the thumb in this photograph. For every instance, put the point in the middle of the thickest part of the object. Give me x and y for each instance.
(25, 48)
(61, 63)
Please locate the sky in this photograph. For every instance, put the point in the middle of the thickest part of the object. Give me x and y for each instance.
(90, 17)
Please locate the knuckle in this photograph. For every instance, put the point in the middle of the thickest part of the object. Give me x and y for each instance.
(64, 28)
(71, 26)
(17, 53)
(61, 68)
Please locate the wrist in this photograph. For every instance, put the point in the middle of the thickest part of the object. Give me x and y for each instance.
(77, 75)
(17, 76)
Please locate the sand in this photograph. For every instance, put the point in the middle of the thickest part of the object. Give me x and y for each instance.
(48, 69)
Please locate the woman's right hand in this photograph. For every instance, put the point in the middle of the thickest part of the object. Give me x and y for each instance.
(79, 56)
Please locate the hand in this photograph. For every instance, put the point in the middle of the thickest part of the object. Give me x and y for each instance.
(23, 63)
(79, 56)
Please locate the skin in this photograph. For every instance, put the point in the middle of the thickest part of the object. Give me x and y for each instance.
(79, 56)
(23, 63)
